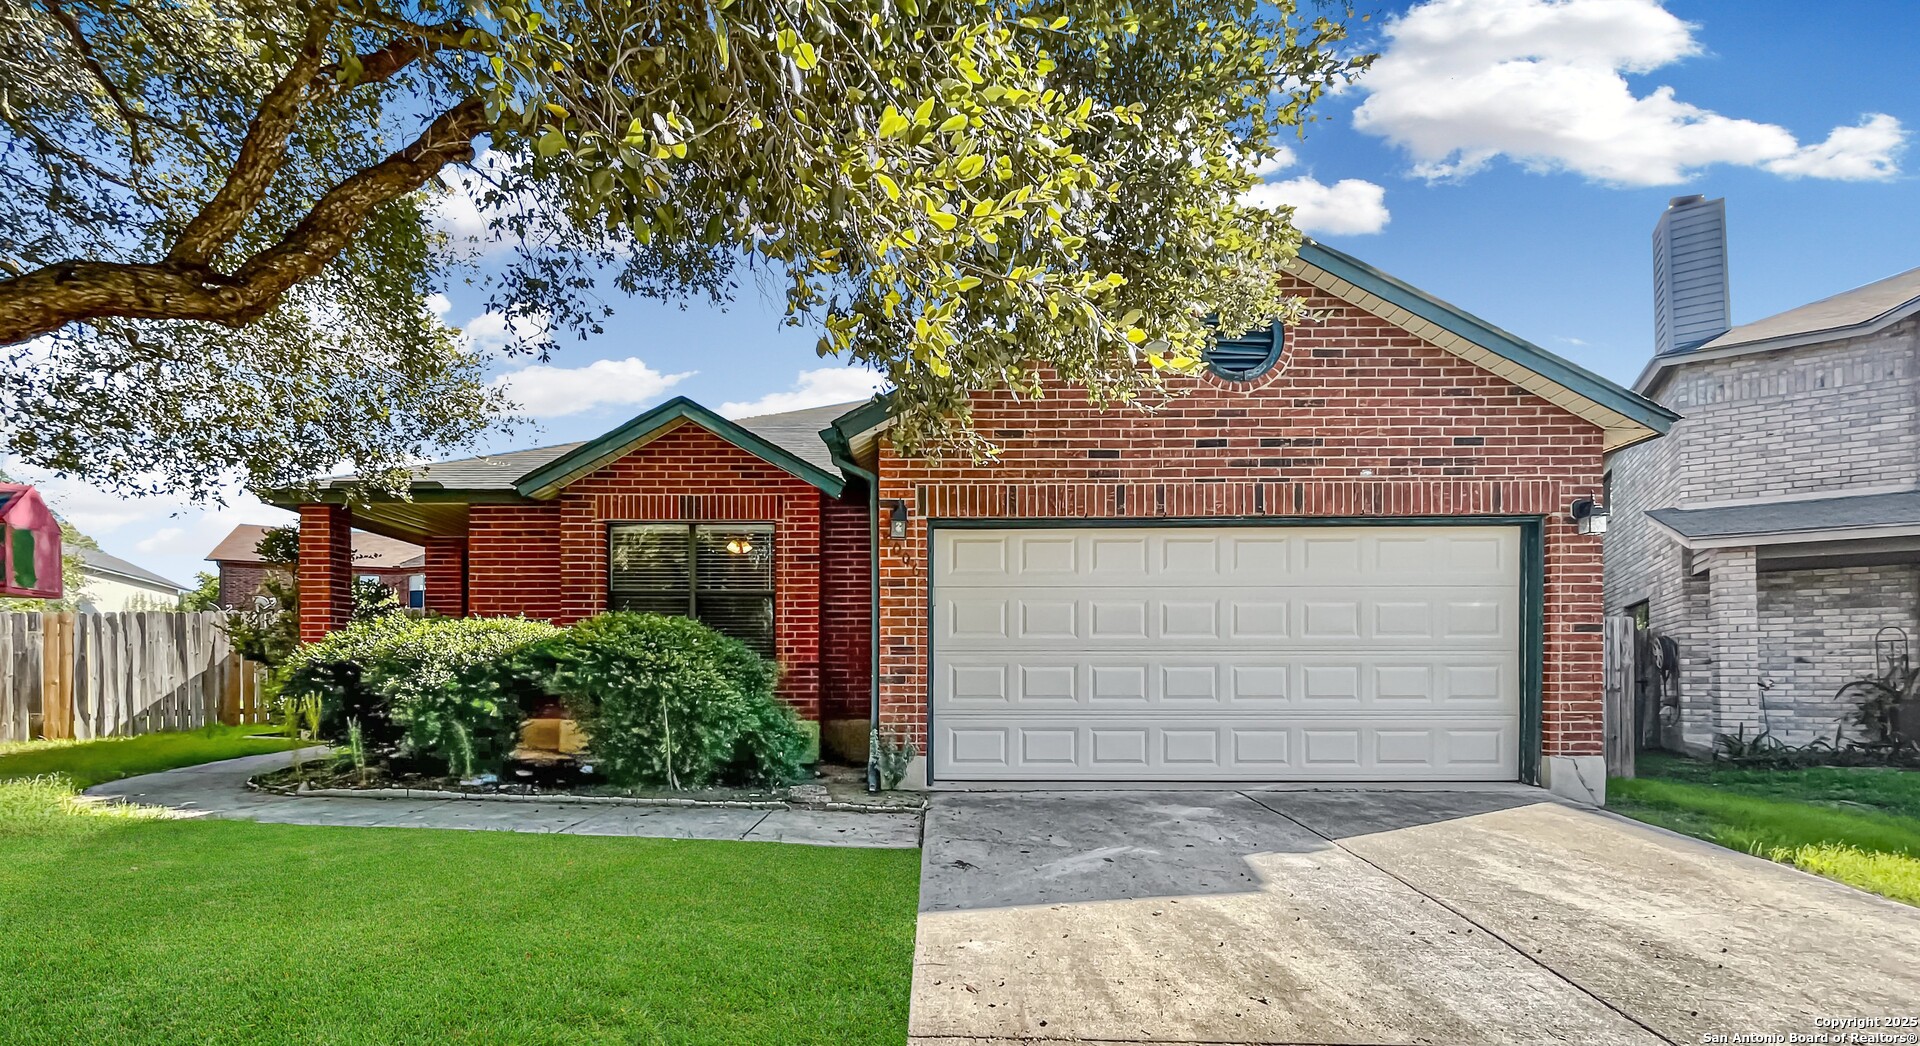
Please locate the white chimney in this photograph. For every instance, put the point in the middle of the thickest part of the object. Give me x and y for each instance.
(1690, 298)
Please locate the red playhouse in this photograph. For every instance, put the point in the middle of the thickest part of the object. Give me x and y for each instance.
(32, 550)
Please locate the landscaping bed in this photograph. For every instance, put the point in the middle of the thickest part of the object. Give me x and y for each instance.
(1857, 825)
(831, 788)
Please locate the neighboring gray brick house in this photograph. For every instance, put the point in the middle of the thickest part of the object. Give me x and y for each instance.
(1777, 526)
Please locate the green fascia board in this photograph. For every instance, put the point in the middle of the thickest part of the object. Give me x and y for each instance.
(867, 416)
(1478, 331)
(680, 408)
(425, 493)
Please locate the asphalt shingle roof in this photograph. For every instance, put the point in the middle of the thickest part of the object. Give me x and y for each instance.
(107, 563)
(797, 432)
(1787, 517)
(1852, 308)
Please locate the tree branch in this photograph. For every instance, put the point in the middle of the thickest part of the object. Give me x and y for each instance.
(261, 155)
(46, 299)
(92, 62)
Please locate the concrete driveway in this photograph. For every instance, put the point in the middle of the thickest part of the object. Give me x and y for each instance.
(1495, 916)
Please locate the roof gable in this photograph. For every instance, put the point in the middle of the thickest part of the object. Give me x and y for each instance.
(1625, 416)
(550, 478)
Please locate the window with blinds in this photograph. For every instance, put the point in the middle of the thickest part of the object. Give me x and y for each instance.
(720, 574)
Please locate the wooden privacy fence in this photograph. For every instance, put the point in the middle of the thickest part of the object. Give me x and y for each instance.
(1621, 731)
(101, 675)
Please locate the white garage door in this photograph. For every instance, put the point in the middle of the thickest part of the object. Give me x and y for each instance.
(1226, 653)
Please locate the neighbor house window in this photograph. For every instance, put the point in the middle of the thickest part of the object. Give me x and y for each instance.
(720, 574)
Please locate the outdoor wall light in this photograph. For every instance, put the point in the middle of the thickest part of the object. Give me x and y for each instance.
(896, 519)
(1589, 515)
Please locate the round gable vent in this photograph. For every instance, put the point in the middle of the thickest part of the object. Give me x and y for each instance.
(1248, 355)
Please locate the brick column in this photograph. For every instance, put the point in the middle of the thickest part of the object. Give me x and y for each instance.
(447, 576)
(326, 570)
(1733, 620)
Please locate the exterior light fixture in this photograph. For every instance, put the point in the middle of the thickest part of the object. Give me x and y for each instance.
(896, 519)
(1589, 515)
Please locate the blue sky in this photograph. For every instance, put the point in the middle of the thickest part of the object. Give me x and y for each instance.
(1510, 156)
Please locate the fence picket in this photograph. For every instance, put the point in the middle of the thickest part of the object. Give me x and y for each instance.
(100, 675)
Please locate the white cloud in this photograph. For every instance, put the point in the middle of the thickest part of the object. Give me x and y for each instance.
(545, 391)
(160, 539)
(491, 332)
(811, 388)
(1348, 207)
(1541, 82)
(1855, 154)
(439, 304)
(1283, 157)
(461, 208)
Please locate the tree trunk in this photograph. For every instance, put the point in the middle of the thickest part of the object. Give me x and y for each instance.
(44, 300)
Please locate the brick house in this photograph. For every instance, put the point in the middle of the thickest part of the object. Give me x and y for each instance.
(1777, 527)
(1343, 554)
(397, 564)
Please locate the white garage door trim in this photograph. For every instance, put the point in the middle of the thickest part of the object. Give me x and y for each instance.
(1222, 652)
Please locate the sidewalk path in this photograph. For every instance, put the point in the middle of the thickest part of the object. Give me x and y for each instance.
(220, 790)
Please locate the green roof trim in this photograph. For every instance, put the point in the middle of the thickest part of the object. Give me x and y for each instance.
(1614, 397)
(551, 476)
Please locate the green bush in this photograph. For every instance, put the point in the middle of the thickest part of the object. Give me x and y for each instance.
(443, 688)
(333, 670)
(668, 701)
(452, 689)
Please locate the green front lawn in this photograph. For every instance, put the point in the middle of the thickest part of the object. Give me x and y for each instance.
(124, 927)
(1859, 826)
(88, 763)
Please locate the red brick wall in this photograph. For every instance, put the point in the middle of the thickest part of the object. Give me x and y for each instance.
(691, 474)
(846, 601)
(240, 582)
(326, 570)
(446, 576)
(513, 561)
(1360, 418)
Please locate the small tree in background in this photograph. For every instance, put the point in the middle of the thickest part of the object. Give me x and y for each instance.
(269, 630)
(204, 595)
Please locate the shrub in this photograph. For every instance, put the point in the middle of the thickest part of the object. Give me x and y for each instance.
(452, 690)
(332, 670)
(668, 701)
(442, 686)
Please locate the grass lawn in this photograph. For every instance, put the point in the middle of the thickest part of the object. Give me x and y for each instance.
(122, 928)
(88, 763)
(1859, 826)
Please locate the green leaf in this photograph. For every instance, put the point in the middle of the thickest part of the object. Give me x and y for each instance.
(550, 144)
(892, 188)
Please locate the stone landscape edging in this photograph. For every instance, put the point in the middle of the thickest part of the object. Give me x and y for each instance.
(305, 792)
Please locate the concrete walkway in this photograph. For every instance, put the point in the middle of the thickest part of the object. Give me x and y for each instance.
(220, 790)
(1492, 916)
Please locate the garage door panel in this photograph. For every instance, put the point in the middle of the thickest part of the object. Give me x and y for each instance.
(1324, 653)
(1244, 618)
(1247, 749)
(1391, 684)
(1247, 556)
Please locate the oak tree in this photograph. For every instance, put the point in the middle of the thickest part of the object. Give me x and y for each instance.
(215, 235)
